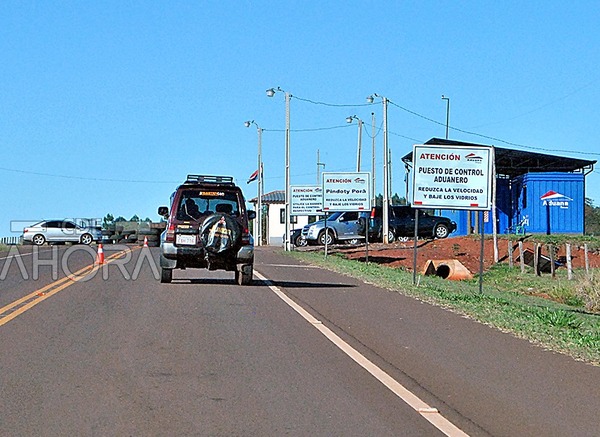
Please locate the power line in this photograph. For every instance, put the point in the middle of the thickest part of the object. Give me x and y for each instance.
(510, 143)
(545, 105)
(379, 130)
(355, 105)
(314, 129)
(405, 137)
(83, 178)
(416, 114)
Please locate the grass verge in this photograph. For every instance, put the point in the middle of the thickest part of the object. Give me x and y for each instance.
(510, 301)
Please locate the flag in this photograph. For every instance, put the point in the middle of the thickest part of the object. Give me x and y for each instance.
(253, 177)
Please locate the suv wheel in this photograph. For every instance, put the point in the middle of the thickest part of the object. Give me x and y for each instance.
(166, 276)
(300, 241)
(325, 235)
(441, 231)
(215, 242)
(391, 236)
(403, 239)
(243, 277)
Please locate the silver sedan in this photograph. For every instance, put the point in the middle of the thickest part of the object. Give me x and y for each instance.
(60, 231)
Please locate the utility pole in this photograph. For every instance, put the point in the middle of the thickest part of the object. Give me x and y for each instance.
(373, 191)
(386, 170)
(259, 215)
(270, 93)
(359, 146)
(319, 165)
(390, 173)
(447, 99)
(259, 212)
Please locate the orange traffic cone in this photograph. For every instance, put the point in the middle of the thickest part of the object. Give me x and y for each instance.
(100, 256)
(145, 241)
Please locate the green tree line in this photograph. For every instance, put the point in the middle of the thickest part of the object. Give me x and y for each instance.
(591, 218)
(110, 219)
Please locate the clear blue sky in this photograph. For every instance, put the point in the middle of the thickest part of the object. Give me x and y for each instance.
(106, 106)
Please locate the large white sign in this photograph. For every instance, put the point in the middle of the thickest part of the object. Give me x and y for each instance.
(346, 191)
(306, 200)
(452, 177)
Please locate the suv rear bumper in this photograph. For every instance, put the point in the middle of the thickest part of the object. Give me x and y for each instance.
(196, 256)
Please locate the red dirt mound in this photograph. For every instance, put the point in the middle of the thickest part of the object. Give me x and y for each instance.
(464, 249)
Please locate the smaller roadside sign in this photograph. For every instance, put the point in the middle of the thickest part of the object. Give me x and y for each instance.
(346, 191)
(306, 200)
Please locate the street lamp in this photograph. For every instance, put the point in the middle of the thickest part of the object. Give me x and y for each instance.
(359, 147)
(260, 182)
(447, 99)
(270, 93)
(386, 180)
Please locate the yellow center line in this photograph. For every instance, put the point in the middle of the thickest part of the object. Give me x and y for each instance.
(51, 289)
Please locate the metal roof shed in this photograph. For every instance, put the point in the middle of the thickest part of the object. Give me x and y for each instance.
(512, 163)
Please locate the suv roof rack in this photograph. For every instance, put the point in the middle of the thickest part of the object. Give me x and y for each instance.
(207, 179)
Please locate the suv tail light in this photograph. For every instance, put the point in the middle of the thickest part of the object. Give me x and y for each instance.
(373, 220)
(245, 236)
(170, 237)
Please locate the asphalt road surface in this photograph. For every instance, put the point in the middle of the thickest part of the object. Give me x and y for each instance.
(302, 351)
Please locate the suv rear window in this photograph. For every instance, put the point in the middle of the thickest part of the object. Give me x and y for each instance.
(401, 212)
(351, 216)
(194, 203)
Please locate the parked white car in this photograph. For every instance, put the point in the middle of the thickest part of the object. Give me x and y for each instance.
(60, 231)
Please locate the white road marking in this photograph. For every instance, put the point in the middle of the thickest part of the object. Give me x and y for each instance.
(431, 414)
(291, 265)
(22, 255)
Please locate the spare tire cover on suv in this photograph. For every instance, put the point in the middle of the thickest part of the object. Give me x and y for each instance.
(219, 233)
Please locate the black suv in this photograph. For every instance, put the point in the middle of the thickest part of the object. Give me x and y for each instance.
(207, 227)
(402, 224)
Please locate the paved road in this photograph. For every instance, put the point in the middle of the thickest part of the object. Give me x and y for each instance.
(202, 356)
